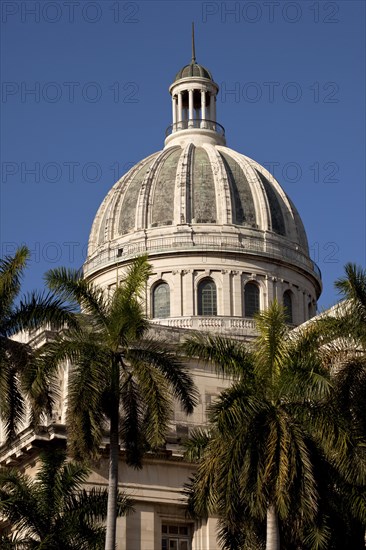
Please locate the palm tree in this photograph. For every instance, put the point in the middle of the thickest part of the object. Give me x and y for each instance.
(344, 332)
(352, 288)
(266, 432)
(52, 511)
(21, 379)
(119, 379)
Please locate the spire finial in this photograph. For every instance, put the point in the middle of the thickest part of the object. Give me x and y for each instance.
(193, 46)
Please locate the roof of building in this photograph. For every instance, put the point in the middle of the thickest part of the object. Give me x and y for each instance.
(193, 70)
(198, 185)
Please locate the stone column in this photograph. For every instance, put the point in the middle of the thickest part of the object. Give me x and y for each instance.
(147, 529)
(188, 293)
(176, 309)
(305, 308)
(190, 108)
(205, 534)
(180, 109)
(237, 291)
(174, 109)
(203, 108)
(121, 542)
(274, 294)
(279, 291)
(226, 295)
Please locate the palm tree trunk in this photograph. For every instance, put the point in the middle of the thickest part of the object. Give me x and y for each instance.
(273, 534)
(111, 524)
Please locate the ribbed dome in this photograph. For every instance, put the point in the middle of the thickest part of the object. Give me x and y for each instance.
(197, 185)
(212, 221)
(193, 69)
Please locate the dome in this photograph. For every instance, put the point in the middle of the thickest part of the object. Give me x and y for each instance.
(201, 186)
(199, 200)
(193, 70)
(222, 236)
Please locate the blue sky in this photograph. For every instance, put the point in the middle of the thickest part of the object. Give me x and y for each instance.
(85, 96)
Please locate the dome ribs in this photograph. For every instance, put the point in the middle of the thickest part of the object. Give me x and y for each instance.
(256, 192)
(182, 192)
(242, 203)
(107, 220)
(127, 189)
(299, 226)
(160, 204)
(274, 201)
(203, 189)
(294, 228)
(130, 201)
(144, 199)
(222, 187)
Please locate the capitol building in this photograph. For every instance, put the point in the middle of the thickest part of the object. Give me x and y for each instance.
(224, 240)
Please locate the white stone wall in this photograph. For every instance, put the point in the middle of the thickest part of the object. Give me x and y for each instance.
(230, 273)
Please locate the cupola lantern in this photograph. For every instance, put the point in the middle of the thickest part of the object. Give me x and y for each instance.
(194, 105)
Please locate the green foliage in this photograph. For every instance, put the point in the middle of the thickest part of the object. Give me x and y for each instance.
(279, 437)
(120, 381)
(21, 375)
(52, 511)
(114, 367)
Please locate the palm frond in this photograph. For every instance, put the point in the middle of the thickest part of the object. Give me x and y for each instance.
(196, 444)
(52, 510)
(88, 384)
(126, 320)
(318, 536)
(131, 423)
(38, 309)
(271, 345)
(153, 353)
(235, 406)
(134, 283)
(230, 357)
(91, 505)
(353, 285)
(18, 502)
(11, 272)
(70, 285)
(246, 533)
(352, 311)
(12, 405)
(157, 402)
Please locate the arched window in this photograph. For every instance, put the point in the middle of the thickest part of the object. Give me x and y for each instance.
(251, 300)
(207, 300)
(161, 301)
(287, 304)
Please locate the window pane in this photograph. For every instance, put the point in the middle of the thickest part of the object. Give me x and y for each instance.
(251, 300)
(161, 301)
(287, 304)
(175, 536)
(207, 300)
